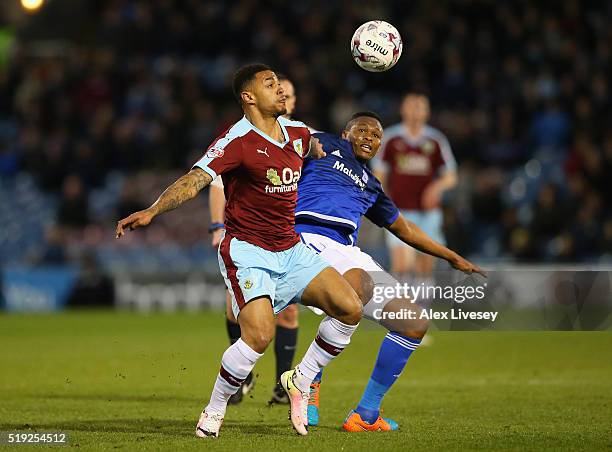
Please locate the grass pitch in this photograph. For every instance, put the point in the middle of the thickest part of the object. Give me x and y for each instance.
(126, 381)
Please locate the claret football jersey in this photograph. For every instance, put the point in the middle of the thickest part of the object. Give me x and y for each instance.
(260, 178)
(411, 165)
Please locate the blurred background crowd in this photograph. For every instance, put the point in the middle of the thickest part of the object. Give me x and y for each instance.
(104, 103)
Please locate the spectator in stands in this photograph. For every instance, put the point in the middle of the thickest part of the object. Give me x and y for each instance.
(145, 91)
(73, 211)
(93, 287)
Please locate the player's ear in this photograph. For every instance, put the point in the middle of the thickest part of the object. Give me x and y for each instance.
(247, 98)
(345, 134)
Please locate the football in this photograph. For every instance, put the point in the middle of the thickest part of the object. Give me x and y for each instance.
(376, 46)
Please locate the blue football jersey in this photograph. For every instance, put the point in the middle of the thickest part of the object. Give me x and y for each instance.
(336, 191)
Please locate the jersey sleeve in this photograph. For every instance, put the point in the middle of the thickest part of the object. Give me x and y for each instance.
(328, 141)
(217, 182)
(221, 156)
(383, 212)
(447, 159)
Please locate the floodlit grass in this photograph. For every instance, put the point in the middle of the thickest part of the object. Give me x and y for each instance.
(120, 380)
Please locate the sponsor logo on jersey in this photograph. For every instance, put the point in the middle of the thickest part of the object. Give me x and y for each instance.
(337, 153)
(415, 164)
(364, 177)
(273, 177)
(338, 165)
(214, 153)
(248, 284)
(297, 147)
(285, 182)
(264, 152)
(428, 147)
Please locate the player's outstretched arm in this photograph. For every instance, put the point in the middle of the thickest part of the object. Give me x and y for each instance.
(185, 188)
(411, 234)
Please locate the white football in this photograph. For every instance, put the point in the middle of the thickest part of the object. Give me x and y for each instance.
(376, 46)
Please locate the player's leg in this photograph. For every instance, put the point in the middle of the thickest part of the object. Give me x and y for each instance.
(402, 260)
(231, 324)
(252, 290)
(396, 348)
(233, 333)
(363, 274)
(363, 286)
(402, 256)
(257, 327)
(331, 293)
(430, 222)
(314, 283)
(285, 343)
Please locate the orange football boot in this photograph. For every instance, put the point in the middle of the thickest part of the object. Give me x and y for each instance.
(354, 423)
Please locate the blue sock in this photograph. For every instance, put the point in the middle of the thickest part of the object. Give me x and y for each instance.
(318, 377)
(392, 358)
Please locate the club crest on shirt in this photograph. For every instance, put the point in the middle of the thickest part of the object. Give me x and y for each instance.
(428, 147)
(364, 177)
(214, 153)
(273, 177)
(297, 147)
(248, 284)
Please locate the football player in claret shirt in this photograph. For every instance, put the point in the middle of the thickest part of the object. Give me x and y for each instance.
(285, 339)
(416, 166)
(263, 262)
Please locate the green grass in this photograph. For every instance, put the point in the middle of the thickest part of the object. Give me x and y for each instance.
(132, 382)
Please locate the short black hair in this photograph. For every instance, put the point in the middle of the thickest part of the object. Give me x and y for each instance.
(244, 75)
(361, 114)
(280, 76)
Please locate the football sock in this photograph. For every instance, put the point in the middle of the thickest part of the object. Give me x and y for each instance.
(392, 358)
(237, 362)
(331, 339)
(233, 330)
(284, 348)
(318, 377)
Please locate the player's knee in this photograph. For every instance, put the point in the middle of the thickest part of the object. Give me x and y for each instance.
(259, 338)
(362, 284)
(260, 341)
(365, 290)
(354, 310)
(414, 329)
(289, 317)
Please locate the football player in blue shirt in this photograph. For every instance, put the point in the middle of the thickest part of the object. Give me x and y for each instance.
(333, 195)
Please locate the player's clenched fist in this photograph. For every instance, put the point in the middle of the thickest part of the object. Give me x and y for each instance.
(136, 220)
(316, 149)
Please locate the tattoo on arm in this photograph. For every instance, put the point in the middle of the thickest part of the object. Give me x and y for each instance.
(185, 188)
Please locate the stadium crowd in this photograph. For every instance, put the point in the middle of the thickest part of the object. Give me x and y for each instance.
(104, 120)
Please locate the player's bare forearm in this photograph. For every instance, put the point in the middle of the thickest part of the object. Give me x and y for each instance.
(446, 181)
(216, 201)
(185, 188)
(411, 234)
